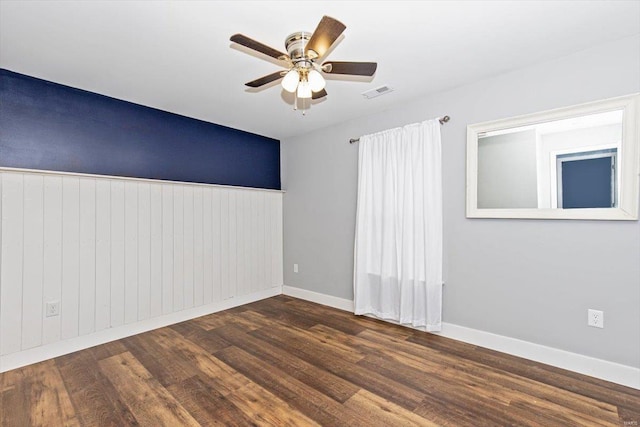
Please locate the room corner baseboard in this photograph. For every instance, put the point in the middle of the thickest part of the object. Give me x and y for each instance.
(609, 371)
(59, 348)
(328, 300)
(598, 368)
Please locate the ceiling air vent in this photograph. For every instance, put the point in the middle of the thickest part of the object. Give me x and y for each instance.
(377, 91)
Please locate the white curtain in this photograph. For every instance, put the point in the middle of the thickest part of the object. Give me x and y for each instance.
(398, 246)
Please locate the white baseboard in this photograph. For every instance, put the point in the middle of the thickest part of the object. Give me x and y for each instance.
(609, 371)
(598, 368)
(331, 301)
(49, 351)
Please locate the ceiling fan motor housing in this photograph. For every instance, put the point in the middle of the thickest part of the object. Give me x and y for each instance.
(296, 43)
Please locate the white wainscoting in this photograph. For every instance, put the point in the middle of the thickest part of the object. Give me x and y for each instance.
(119, 251)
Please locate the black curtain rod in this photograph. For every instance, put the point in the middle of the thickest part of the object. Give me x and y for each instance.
(442, 121)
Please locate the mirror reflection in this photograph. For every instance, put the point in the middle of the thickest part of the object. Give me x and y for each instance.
(561, 164)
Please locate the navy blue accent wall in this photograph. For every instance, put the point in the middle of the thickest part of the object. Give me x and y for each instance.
(48, 126)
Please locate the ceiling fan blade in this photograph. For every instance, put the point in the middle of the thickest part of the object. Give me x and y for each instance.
(325, 35)
(318, 95)
(351, 68)
(265, 79)
(257, 46)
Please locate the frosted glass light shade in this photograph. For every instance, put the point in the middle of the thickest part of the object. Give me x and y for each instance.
(316, 81)
(290, 81)
(304, 90)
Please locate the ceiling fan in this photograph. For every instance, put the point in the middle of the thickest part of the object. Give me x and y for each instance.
(303, 73)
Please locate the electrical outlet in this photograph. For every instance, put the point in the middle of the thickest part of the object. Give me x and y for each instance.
(595, 318)
(295, 268)
(53, 308)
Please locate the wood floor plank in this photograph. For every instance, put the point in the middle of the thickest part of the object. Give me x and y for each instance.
(385, 413)
(36, 396)
(207, 405)
(555, 377)
(108, 349)
(446, 414)
(343, 317)
(331, 385)
(151, 355)
(222, 377)
(146, 398)
(364, 378)
(285, 361)
(265, 409)
(96, 400)
(210, 342)
(488, 404)
(276, 310)
(14, 395)
(316, 405)
(465, 371)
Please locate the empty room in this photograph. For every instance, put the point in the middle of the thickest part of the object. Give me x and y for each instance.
(336, 213)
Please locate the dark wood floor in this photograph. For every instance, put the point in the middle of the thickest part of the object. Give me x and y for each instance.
(284, 361)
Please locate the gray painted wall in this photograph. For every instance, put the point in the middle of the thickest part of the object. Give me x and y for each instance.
(507, 171)
(528, 279)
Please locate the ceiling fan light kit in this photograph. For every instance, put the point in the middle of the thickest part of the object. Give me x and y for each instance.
(303, 76)
(316, 81)
(304, 90)
(290, 81)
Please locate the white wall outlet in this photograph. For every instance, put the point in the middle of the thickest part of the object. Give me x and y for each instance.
(595, 318)
(295, 268)
(52, 308)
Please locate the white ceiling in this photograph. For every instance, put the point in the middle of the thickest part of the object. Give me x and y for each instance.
(176, 56)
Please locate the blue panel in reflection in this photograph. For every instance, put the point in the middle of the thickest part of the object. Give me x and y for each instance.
(587, 183)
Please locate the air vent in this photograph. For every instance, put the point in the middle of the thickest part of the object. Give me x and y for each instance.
(377, 91)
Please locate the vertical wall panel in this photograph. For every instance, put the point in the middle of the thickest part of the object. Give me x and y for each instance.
(12, 262)
(69, 303)
(277, 247)
(131, 252)
(198, 264)
(216, 238)
(261, 241)
(224, 245)
(233, 243)
(241, 240)
(188, 247)
(144, 250)
(207, 247)
(249, 242)
(103, 254)
(52, 266)
(32, 309)
(155, 278)
(117, 253)
(87, 285)
(268, 236)
(167, 248)
(254, 244)
(178, 248)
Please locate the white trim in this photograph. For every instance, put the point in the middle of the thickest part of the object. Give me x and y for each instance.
(59, 348)
(129, 178)
(331, 301)
(598, 368)
(609, 371)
